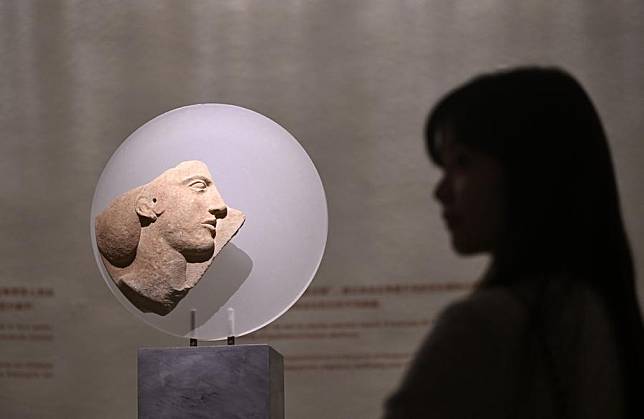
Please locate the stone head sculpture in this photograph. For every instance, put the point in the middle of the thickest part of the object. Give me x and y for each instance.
(157, 240)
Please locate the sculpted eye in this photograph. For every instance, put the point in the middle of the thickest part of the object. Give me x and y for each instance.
(198, 185)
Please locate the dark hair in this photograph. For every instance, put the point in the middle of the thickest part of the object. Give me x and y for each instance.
(562, 200)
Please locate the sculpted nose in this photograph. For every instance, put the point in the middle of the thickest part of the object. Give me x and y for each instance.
(216, 204)
(219, 211)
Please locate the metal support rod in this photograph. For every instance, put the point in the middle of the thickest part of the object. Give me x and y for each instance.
(231, 326)
(193, 326)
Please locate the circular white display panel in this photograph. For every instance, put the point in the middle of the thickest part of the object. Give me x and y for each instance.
(259, 169)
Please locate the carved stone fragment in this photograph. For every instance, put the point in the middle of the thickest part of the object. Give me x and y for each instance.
(158, 240)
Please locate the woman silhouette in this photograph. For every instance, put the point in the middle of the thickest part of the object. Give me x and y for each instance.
(553, 330)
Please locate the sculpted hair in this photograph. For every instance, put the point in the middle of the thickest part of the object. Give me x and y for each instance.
(118, 229)
(562, 201)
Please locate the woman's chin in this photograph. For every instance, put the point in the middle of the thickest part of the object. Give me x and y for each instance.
(467, 248)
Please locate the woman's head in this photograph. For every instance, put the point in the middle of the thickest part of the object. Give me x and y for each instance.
(538, 129)
(535, 153)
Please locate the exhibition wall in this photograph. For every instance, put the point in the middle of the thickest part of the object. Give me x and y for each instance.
(353, 82)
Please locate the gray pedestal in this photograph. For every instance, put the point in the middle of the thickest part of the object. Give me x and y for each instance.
(223, 382)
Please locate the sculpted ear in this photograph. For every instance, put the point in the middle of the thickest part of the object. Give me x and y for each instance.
(146, 207)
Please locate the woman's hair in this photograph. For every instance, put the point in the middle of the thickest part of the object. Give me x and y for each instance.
(563, 213)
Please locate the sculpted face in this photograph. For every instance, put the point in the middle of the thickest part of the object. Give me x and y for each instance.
(187, 207)
(158, 239)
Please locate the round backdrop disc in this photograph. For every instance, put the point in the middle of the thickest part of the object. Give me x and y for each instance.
(259, 169)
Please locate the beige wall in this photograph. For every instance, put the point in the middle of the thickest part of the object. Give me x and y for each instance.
(352, 81)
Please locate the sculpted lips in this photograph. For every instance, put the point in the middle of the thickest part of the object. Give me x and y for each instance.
(210, 225)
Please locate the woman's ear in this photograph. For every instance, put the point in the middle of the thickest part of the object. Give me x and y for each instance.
(146, 207)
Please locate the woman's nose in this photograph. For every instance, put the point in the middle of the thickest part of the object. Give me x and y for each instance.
(441, 191)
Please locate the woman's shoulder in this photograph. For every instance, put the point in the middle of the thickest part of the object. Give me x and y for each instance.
(473, 352)
(486, 327)
(493, 310)
(504, 314)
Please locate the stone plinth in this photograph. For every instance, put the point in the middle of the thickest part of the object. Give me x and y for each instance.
(222, 382)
